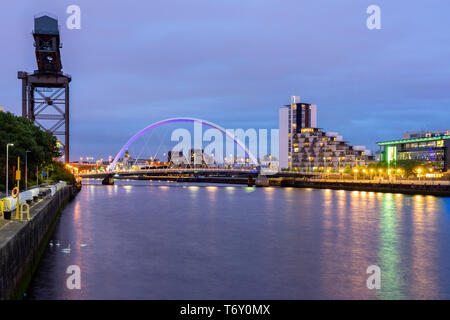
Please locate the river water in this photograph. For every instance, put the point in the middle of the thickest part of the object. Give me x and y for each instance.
(163, 240)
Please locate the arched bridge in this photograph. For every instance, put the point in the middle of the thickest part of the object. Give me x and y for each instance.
(250, 170)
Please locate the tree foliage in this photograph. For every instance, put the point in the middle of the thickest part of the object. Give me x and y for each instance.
(25, 136)
(408, 167)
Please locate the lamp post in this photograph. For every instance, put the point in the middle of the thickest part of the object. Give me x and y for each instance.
(7, 152)
(26, 169)
(356, 173)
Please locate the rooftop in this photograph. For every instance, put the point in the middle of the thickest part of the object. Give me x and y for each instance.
(385, 143)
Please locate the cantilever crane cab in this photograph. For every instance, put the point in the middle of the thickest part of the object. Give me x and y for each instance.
(47, 44)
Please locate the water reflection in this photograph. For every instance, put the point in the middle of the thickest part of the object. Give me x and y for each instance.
(389, 255)
(158, 240)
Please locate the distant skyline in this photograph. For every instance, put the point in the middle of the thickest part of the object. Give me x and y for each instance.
(236, 62)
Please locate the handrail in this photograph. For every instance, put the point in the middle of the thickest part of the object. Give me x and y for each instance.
(27, 211)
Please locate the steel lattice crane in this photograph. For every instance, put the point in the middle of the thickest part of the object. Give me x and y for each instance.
(45, 92)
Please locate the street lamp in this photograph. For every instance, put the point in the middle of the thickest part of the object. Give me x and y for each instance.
(26, 169)
(342, 173)
(419, 172)
(7, 151)
(356, 173)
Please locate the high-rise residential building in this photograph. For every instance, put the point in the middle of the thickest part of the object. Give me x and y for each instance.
(432, 147)
(292, 118)
(307, 148)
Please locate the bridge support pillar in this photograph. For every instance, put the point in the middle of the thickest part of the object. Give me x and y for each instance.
(262, 181)
(108, 181)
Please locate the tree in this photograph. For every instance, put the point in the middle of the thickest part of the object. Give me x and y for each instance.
(407, 167)
(25, 136)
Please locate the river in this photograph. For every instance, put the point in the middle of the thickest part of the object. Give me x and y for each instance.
(166, 240)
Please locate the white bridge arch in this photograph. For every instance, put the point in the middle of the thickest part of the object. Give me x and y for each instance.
(252, 158)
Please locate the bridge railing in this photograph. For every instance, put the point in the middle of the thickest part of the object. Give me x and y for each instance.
(177, 170)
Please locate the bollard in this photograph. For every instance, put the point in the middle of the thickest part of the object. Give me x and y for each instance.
(27, 207)
(3, 203)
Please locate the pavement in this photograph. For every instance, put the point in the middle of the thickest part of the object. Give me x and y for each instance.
(3, 222)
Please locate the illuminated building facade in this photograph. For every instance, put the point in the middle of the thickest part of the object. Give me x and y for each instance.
(431, 147)
(317, 150)
(292, 118)
(307, 148)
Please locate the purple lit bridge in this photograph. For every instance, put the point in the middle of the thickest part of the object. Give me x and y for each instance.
(113, 171)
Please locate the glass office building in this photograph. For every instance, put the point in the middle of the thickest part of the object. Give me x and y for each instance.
(431, 147)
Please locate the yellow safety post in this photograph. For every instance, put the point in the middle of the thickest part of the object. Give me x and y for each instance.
(18, 193)
(6, 201)
(27, 207)
(3, 203)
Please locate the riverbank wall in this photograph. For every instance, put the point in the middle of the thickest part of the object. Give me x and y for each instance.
(23, 242)
(442, 190)
(436, 189)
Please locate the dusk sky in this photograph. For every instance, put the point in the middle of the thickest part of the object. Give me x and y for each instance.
(235, 62)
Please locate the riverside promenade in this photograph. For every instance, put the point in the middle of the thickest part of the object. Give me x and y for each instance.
(412, 187)
(23, 241)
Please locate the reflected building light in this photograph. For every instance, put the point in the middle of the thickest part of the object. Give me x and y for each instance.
(354, 193)
(249, 189)
(230, 189)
